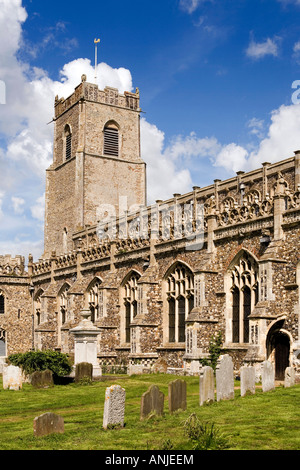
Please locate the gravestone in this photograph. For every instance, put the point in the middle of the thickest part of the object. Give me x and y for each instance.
(289, 377)
(12, 377)
(152, 402)
(247, 376)
(225, 378)
(206, 385)
(48, 423)
(114, 406)
(177, 395)
(267, 376)
(135, 369)
(83, 370)
(42, 379)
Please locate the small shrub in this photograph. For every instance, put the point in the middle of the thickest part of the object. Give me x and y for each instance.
(215, 349)
(204, 436)
(33, 361)
(167, 444)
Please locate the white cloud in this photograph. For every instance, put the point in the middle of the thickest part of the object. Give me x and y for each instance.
(256, 127)
(232, 157)
(286, 2)
(18, 204)
(1, 203)
(258, 50)
(38, 209)
(282, 140)
(163, 175)
(191, 5)
(17, 246)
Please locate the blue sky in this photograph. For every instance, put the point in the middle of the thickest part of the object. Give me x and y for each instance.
(215, 79)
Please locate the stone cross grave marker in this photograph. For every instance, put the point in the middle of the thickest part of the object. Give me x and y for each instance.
(225, 378)
(206, 385)
(114, 406)
(152, 402)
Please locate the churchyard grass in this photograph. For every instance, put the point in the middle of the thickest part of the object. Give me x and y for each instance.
(264, 421)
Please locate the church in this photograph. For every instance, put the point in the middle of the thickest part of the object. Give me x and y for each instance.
(159, 280)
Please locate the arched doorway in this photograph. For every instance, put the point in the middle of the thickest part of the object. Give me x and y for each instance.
(278, 349)
(282, 354)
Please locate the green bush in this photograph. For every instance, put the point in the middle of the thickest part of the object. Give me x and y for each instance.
(32, 361)
(204, 436)
(215, 349)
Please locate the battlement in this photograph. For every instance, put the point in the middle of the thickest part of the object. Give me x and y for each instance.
(90, 92)
(12, 266)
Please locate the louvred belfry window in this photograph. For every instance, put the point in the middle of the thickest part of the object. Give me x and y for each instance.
(68, 137)
(111, 140)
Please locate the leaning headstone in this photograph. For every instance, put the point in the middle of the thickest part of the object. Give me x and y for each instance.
(247, 377)
(225, 378)
(12, 377)
(42, 379)
(289, 377)
(177, 395)
(267, 376)
(48, 423)
(83, 371)
(206, 385)
(114, 406)
(152, 402)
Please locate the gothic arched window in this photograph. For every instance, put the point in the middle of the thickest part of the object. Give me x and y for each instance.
(130, 302)
(37, 306)
(180, 296)
(111, 140)
(95, 300)
(244, 292)
(63, 304)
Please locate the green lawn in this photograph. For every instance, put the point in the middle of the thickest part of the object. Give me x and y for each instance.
(264, 421)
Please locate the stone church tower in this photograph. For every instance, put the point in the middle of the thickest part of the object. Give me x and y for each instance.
(96, 162)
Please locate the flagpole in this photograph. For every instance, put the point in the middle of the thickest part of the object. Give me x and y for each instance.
(96, 42)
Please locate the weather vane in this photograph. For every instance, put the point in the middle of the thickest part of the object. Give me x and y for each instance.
(96, 41)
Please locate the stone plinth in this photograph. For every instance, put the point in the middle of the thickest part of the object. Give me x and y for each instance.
(85, 342)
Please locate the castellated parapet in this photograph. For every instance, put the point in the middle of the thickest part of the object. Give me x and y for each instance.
(10, 266)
